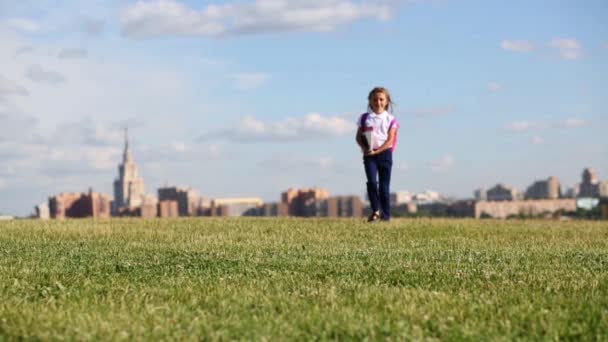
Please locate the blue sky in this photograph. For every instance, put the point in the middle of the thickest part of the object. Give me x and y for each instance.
(248, 98)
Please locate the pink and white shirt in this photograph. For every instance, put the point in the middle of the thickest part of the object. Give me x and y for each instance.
(380, 125)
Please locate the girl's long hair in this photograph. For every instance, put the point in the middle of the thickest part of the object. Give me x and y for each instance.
(376, 90)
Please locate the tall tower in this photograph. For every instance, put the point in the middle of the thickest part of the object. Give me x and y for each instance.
(129, 186)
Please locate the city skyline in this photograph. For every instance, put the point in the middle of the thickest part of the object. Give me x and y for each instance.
(246, 99)
(131, 200)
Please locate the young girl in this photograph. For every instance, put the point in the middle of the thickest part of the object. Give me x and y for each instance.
(378, 158)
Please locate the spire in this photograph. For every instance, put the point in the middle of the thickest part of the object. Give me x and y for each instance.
(126, 156)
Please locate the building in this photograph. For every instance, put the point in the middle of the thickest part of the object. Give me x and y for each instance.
(464, 208)
(349, 206)
(547, 189)
(439, 209)
(505, 209)
(401, 197)
(404, 209)
(427, 197)
(6, 218)
(480, 194)
(304, 202)
(604, 208)
(168, 208)
(603, 189)
(289, 198)
(79, 205)
(148, 208)
(573, 191)
(341, 206)
(204, 207)
(42, 211)
(236, 207)
(274, 209)
(501, 192)
(188, 201)
(129, 186)
(589, 187)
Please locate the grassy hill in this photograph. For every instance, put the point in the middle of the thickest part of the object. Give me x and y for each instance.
(252, 278)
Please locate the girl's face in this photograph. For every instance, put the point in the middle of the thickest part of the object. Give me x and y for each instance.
(378, 102)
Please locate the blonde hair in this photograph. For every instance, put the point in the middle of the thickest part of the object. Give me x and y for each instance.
(383, 90)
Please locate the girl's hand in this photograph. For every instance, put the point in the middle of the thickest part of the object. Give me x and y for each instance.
(369, 153)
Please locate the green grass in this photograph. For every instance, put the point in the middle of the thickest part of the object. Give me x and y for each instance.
(303, 279)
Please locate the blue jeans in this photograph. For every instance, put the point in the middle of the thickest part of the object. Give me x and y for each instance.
(378, 173)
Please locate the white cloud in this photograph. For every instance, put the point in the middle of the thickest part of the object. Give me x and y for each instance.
(73, 148)
(7, 170)
(495, 87)
(519, 126)
(92, 27)
(15, 126)
(72, 158)
(537, 140)
(24, 50)
(2, 183)
(37, 74)
(87, 132)
(213, 63)
(51, 144)
(569, 49)
(169, 17)
(179, 146)
(517, 45)
(8, 88)
(73, 53)
(565, 44)
(252, 80)
(442, 165)
(311, 126)
(525, 125)
(294, 163)
(35, 160)
(180, 151)
(572, 123)
(24, 25)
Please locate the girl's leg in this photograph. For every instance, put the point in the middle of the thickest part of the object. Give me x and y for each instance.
(371, 172)
(385, 164)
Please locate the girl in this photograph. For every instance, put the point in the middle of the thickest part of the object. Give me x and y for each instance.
(378, 158)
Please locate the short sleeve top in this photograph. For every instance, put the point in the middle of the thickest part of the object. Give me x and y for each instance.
(380, 124)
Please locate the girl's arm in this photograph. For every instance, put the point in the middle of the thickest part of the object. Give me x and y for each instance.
(387, 144)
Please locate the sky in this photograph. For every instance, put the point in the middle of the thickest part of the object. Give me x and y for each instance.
(243, 98)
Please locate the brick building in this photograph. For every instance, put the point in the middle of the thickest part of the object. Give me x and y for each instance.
(304, 202)
(589, 187)
(79, 205)
(188, 201)
(168, 208)
(504, 209)
(547, 189)
(341, 206)
(236, 207)
(274, 209)
(501, 192)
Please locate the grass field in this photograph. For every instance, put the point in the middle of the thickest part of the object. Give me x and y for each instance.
(303, 279)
